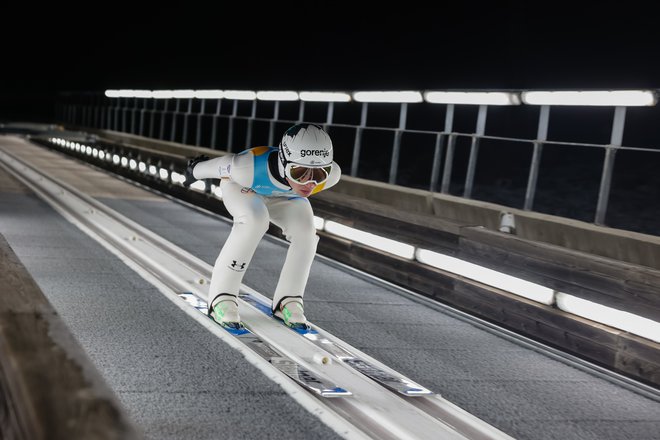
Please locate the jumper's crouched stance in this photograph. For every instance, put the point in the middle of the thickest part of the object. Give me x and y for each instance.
(262, 185)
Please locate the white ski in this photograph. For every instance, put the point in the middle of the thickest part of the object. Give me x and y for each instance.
(394, 382)
(301, 375)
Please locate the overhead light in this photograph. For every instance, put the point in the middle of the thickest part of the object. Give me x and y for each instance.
(183, 94)
(474, 98)
(624, 98)
(162, 94)
(209, 94)
(625, 321)
(396, 96)
(244, 95)
(121, 93)
(277, 96)
(112, 93)
(142, 93)
(325, 96)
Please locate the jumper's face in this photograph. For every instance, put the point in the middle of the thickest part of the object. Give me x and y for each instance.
(303, 190)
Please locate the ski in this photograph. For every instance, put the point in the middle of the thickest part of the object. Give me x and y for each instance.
(394, 382)
(301, 375)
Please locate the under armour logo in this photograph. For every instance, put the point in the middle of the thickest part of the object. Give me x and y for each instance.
(234, 264)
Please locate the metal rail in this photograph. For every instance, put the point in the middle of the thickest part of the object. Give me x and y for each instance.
(113, 114)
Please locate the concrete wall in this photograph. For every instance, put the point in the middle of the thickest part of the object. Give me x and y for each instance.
(631, 247)
(48, 387)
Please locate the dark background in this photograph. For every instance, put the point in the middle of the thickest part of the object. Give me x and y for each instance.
(507, 45)
(322, 46)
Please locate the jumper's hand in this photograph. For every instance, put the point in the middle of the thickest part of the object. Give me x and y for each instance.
(190, 178)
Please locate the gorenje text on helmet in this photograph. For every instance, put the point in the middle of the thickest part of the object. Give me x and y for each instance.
(304, 153)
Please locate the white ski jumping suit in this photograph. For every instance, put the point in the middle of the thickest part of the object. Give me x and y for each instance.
(255, 193)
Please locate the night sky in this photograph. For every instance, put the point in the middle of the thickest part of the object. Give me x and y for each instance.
(324, 46)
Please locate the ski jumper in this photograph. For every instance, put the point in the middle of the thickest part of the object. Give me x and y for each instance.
(255, 193)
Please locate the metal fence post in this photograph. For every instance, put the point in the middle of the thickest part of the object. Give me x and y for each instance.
(396, 147)
(248, 135)
(116, 121)
(198, 135)
(163, 115)
(124, 116)
(152, 117)
(142, 111)
(437, 153)
(608, 165)
(214, 128)
(541, 137)
(174, 115)
(133, 111)
(186, 115)
(301, 111)
(437, 159)
(358, 140)
(449, 160)
(230, 133)
(329, 115)
(474, 151)
(271, 128)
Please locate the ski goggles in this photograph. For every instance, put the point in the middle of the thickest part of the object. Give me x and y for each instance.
(303, 175)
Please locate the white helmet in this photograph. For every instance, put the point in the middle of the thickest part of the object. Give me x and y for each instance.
(306, 145)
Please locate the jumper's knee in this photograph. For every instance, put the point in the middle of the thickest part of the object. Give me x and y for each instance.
(304, 238)
(256, 223)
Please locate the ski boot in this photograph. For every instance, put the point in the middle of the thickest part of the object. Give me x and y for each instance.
(290, 310)
(224, 311)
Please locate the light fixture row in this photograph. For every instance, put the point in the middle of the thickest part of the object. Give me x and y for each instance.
(626, 98)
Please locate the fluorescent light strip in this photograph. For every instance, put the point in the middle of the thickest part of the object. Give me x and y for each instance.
(183, 94)
(122, 93)
(177, 178)
(319, 223)
(325, 96)
(162, 94)
(128, 93)
(626, 98)
(142, 94)
(277, 96)
(474, 98)
(626, 321)
(397, 96)
(244, 95)
(209, 94)
(199, 185)
(375, 241)
(491, 277)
